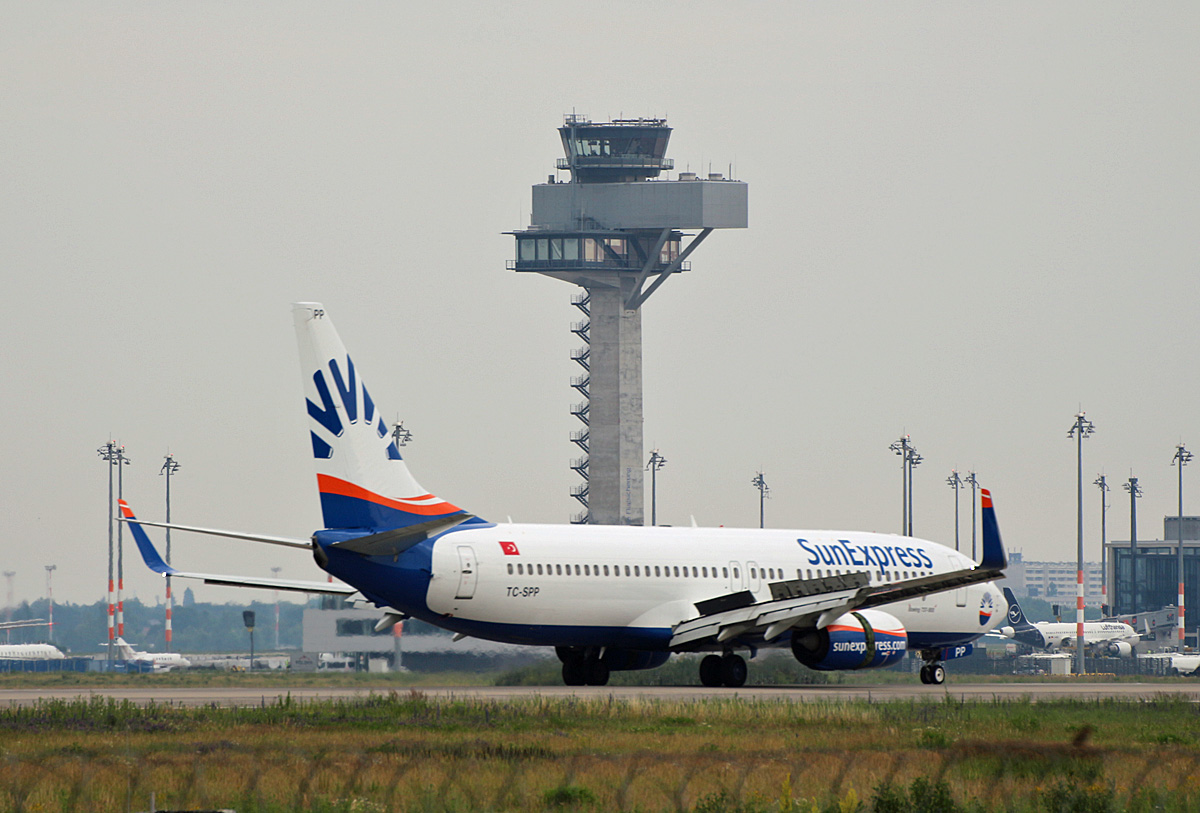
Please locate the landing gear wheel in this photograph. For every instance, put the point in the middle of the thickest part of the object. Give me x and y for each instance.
(710, 671)
(574, 672)
(925, 674)
(733, 671)
(937, 674)
(596, 671)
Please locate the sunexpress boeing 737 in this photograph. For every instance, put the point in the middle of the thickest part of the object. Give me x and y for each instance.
(610, 597)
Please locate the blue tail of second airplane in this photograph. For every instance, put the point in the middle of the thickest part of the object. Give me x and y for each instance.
(363, 481)
(1016, 616)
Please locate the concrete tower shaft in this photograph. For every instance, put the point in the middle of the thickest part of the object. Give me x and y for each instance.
(616, 231)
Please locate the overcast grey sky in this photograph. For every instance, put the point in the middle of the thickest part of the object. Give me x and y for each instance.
(966, 221)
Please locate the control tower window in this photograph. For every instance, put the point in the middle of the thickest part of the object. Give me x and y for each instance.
(543, 248)
(592, 252)
(527, 251)
(570, 248)
(556, 248)
(670, 251)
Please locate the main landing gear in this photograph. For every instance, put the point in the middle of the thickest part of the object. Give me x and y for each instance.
(582, 667)
(723, 670)
(932, 672)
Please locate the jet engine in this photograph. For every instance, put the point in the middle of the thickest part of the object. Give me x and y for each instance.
(1119, 649)
(858, 640)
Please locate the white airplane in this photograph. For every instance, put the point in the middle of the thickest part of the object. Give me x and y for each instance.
(609, 597)
(30, 652)
(160, 661)
(1102, 637)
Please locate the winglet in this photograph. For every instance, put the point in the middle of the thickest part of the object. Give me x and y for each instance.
(149, 554)
(994, 557)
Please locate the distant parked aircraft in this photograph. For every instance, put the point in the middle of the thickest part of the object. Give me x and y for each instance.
(1102, 637)
(161, 661)
(30, 652)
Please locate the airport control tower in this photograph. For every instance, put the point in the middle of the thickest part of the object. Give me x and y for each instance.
(616, 230)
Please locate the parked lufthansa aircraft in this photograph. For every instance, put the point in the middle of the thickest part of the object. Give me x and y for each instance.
(610, 597)
(1102, 637)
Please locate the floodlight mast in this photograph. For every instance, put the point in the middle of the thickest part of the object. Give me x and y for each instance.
(955, 482)
(764, 492)
(169, 467)
(1182, 458)
(108, 453)
(1135, 491)
(1082, 428)
(972, 481)
(8, 607)
(1102, 482)
(656, 462)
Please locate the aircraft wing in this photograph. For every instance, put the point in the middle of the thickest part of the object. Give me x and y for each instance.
(156, 563)
(808, 603)
(817, 602)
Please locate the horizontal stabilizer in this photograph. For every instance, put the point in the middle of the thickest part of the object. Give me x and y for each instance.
(270, 540)
(398, 540)
(155, 562)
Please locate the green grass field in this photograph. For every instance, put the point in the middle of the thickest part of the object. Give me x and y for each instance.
(404, 751)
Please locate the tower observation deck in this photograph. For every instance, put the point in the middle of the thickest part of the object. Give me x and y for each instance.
(618, 230)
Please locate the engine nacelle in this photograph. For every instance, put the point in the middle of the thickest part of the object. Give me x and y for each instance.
(858, 640)
(1120, 649)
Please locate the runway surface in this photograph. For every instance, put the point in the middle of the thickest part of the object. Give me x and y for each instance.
(235, 696)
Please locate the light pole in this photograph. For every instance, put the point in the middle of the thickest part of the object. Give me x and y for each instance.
(1102, 482)
(169, 467)
(764, 491)
(275, 573)
(1135, 491)
(972, 481)
(901, 448)
(1182, 458)
(8, 607)
(1081, 429)
(50, 598)
(655, 463)
(913, 460)
(122, 462)
(108, 453)
(955, 482)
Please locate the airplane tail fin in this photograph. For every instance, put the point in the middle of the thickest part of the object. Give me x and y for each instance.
(127, 652)
(994, 557)
(1016, 616)
(363, 481)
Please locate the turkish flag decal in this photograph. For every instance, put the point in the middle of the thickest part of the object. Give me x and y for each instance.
(510, 548)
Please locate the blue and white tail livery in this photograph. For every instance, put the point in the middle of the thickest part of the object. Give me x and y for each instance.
(611, 597)
(363, 481)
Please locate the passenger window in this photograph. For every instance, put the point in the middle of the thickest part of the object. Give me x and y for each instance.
(704, 572)
(539, 570)
(626, 570)
(677, 572)
(606, 570)
(656, 573)
(724, 573)
(510, 568)
(576, 570)
(753, 573)
(637, 570)
(520, 570)
(558, 570)
(587, 571)
(695, 573)
(735, 573)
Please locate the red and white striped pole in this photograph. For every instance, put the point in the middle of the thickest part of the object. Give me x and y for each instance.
(169, 467)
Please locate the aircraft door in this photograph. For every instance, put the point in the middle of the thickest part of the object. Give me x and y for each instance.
(753, 576)
(466, 572)
(735, 577)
